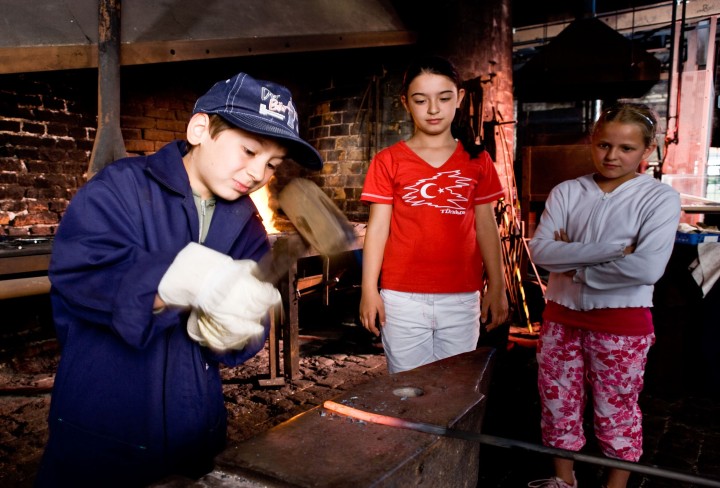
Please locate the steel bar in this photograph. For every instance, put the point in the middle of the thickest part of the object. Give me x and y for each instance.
(510, 443)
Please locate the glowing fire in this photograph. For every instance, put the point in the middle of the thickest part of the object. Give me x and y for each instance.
(262, 202)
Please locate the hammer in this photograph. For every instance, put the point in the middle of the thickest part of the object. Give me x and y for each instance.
(320, 225)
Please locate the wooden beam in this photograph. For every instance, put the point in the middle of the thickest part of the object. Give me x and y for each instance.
(27, 59)
(109, 144)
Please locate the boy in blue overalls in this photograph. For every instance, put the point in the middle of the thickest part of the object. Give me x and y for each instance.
(153, 287)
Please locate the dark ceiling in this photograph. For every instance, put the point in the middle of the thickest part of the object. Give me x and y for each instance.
(48, 35)
(532, 12)
(605, 65)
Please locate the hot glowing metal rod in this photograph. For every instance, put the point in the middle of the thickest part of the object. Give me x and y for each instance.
(375, 418)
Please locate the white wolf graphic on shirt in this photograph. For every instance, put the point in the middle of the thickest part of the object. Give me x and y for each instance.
(447, 190)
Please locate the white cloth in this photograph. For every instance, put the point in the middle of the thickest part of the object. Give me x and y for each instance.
(230, 313)
(207, 332)
(228, 302)
(424, 327)
(705, 269)
(192, 271)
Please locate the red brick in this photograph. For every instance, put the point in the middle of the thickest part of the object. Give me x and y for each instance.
(12, 192)
(35, 206)
(18, 231)
(43, 230)
(138, 122)
(10, 164)
(158, 135)
(139, 146)
(33, 128)
(36, 218)
(129, 134)
(173, 125)
(159, 113)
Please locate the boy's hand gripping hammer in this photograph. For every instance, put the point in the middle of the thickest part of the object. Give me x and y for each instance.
(319, 222)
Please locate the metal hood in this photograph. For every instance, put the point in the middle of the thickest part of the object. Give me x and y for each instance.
(588, 60)
(42, 35)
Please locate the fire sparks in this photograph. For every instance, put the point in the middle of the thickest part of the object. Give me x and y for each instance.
(261, 198)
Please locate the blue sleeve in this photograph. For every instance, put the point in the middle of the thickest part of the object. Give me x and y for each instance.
(100, 265)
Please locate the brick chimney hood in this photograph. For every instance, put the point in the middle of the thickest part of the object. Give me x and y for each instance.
(45, 35)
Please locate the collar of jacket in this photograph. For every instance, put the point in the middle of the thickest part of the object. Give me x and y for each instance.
(167, 167)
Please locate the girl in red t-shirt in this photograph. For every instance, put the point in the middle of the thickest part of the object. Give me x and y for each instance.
(431, 231)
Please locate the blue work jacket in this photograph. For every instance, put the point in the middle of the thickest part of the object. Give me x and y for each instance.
(135, 398)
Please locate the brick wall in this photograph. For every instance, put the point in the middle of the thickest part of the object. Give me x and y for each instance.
(151, 120)
(350, 124)
(47, 129)
(48, 123)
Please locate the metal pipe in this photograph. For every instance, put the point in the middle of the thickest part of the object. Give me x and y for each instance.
(24, 287)
(671, 62)
(508, 443)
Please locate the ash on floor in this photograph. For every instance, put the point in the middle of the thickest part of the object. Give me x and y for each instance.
(682, 425)
(335, 355)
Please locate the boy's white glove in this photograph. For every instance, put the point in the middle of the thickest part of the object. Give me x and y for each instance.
(228, 301)
(195, 268)
(232, 318)
(208, 332)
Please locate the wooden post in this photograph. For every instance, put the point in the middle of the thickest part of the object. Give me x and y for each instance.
(109, 144)
(291, 328)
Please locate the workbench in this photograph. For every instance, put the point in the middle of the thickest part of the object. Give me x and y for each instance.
(303, 278)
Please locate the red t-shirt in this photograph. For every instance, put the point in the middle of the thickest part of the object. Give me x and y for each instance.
(432, 246)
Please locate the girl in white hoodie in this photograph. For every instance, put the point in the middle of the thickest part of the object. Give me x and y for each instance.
(605, 238)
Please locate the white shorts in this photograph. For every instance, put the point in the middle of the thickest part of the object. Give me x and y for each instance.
(423, 327)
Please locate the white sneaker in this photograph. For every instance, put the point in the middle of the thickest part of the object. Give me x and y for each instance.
(553, 482)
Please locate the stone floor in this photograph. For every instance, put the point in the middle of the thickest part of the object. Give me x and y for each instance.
(335, 356)
(682, 423)
(681, 430)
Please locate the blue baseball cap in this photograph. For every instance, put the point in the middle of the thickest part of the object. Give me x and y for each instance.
(261, 107)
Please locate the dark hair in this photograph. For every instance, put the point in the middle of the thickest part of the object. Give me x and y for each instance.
(437, 65)
(631, 113)
(216, 125)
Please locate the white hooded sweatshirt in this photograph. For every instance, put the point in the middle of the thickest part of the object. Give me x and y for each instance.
(642, 212)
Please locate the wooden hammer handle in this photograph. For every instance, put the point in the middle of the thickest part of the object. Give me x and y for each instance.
(285, 252)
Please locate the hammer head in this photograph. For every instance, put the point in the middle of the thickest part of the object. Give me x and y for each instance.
(316, 218)
(319, 223)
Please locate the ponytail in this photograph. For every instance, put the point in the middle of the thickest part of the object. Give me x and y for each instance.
(463, 132)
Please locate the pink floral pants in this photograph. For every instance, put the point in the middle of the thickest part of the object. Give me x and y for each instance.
(613, 366)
